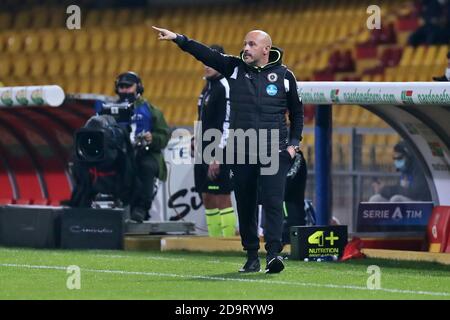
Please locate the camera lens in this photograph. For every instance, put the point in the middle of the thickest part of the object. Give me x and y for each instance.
(90, 145)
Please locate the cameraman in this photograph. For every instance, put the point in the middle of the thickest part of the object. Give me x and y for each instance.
(149, 134)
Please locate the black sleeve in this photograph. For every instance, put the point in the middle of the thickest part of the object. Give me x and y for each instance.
(225, 64)
(218, 105)
(418, 190)
(295, 107)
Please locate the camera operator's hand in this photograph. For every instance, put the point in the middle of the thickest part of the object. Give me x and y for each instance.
(213, 170)
(165, 34)
(148, 137)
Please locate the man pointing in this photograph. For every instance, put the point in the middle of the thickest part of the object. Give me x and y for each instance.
(262, 91)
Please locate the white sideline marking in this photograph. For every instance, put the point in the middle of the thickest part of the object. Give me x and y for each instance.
(173, 275)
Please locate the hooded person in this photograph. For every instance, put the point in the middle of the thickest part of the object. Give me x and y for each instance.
(262, 92)
(412, 184)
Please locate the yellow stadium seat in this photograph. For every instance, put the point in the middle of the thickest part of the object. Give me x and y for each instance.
(5, 67)
(123, 17)
(111, 41)
(81, 41)
(139, 37)
(65, 41)
(70, 85)
(97, 85)
(84, 85)
(54, 65)
(70, 65)
(22, 20)
(41, 18)
(407, 55)
(112, 65)
(96, 39)
(98, 67)
(441, 58)
(430, 56)
(5, 20)
(20, 66)
(37, 65)
(48, 41)
(31, 43)
(137, 63)
(393, 139)
(355, 113)
(107, 17)
(85, 62)
(92, 18)
(58, 17)
(126, 39)
(125, 61)
(14, 42)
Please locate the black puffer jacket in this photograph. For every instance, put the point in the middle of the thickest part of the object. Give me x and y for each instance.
(259, 96)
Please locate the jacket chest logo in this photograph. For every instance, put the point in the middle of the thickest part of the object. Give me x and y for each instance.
(272, 77)
(271, 89)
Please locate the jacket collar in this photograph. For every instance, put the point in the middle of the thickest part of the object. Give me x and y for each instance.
(275, 58)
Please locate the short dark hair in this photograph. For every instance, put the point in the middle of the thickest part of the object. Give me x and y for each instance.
(401, 148)
(217, 48)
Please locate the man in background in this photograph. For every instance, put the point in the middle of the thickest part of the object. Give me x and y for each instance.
(212, 180)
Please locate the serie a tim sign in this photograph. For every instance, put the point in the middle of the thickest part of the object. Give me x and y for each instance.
(318, 242)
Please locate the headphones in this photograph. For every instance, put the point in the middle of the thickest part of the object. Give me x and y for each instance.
(137, 79)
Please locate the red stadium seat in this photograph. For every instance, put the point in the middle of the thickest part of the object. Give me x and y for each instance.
(4, 201)
(24, 201)
(41, 202)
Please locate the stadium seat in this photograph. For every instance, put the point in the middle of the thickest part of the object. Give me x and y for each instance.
(54, 64)
(65, 41)
(20, 66)
(5, 201)
(69, 65)
(41, 202)
(5, 20)
(32, 43)
(5, 67)
(48, 41)
(81, 41)
(37, 68)
(96, 39)
(14, 42)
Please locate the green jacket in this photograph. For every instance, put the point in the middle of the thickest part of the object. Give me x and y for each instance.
(160, 138)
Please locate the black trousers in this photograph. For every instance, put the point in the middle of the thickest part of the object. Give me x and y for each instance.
(249, 185)
(147, 170)
(295, 200)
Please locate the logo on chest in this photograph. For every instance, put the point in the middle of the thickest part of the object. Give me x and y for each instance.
(272, 77)
(271, 89)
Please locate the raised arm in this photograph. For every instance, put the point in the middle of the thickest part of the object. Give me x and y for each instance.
(225, 64)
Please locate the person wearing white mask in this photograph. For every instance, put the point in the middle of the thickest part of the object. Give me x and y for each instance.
(446, 76)
(412, 185)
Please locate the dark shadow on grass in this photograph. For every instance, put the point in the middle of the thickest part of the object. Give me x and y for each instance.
(236, 275)
(427, 267)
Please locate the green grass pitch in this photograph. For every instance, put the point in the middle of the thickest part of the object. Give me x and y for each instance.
(42, 274)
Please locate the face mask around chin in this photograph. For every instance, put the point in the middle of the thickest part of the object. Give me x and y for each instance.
(130, 97)
(400, 164)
